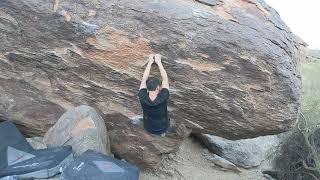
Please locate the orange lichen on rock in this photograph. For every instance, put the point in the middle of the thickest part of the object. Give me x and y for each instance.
(114, 48)
(84, 124)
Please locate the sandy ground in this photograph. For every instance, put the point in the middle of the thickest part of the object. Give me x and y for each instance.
(190, 163)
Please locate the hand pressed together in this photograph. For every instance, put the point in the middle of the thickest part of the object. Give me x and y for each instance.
(157, 59)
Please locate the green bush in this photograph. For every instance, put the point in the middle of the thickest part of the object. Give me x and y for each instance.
(299, 155)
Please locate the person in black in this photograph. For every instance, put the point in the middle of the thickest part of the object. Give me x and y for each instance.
(153, 99)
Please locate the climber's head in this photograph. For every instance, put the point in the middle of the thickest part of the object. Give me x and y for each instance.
(153, 84)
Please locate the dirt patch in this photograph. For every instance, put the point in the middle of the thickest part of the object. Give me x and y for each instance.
(190, 163)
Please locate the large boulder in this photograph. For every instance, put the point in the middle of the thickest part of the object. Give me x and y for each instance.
(82, 128)
(232, 64)
(246, 153)
(129, 141)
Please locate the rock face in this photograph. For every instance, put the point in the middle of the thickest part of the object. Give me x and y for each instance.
(82, 128)
(232, 64)
(130, 142)
(246, 153)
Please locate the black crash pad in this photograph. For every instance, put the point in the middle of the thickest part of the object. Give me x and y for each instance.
(13, 145)
(92, 165)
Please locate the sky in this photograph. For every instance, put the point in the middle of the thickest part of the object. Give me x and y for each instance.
(303, 18)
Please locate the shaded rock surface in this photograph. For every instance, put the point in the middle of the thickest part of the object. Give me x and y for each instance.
(246, 153)
(129, 141)
(233, 67)
(82, 128)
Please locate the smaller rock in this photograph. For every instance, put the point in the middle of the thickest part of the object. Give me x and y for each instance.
(131, 142)
(246, 153)
(82, 128)
(219, 161)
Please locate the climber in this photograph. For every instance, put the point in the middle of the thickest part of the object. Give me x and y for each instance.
(153, 98)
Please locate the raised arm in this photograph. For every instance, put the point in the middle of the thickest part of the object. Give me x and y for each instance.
(164, 76)
(146, 72)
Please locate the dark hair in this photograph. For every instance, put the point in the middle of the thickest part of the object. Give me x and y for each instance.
(152, 83)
